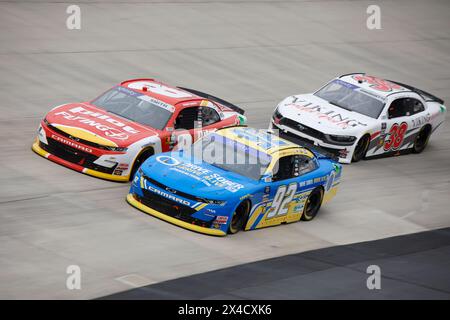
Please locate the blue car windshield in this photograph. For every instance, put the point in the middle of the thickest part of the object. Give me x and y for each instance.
(231, 155)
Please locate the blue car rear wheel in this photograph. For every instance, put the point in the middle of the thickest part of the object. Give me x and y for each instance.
(313, 204)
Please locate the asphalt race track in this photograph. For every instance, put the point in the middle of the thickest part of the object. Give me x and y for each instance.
(338, 272)
(253, 53)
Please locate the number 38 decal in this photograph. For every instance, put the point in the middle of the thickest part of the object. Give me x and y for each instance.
(396, 136)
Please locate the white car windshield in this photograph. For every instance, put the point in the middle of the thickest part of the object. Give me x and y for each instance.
(350, 97)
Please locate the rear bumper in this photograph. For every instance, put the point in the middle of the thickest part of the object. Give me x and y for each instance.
(299, 137)
(36, 148)
(214, 232)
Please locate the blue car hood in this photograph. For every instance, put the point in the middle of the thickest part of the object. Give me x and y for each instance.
(198, 179)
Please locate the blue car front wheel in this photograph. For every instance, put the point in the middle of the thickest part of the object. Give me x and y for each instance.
(239, 217)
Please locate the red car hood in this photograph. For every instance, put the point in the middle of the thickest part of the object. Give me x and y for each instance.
(87, 122)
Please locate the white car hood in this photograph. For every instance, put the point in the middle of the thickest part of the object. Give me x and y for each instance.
(318, 114)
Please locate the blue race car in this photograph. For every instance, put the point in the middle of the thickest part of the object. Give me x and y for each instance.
(235, 178)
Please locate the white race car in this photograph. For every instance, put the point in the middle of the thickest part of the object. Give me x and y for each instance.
(357, 116)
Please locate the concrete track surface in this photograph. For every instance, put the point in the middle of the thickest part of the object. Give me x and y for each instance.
(253, 53)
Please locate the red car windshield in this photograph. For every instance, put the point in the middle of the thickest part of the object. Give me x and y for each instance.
(134, 106)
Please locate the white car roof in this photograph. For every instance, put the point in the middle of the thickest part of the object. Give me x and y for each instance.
(377, 86)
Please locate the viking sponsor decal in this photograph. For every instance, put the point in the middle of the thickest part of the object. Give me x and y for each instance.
(108, 130)
(71, 144)
(325, 114)
(377, 83)
(421, 121)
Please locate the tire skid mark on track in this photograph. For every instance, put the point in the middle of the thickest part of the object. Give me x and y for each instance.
(222, 48)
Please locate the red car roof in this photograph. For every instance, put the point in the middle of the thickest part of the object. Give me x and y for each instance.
(161, 91)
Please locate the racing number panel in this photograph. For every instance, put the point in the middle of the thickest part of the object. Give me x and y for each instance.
(283, 201)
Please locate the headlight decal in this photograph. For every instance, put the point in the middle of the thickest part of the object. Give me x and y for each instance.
(340, 139)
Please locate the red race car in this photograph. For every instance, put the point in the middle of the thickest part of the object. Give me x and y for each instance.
(112, 135)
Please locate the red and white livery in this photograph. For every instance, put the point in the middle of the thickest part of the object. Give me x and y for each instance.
(112, 135)
(358, 116)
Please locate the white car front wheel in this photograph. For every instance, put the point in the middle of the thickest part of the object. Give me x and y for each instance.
(361, 148)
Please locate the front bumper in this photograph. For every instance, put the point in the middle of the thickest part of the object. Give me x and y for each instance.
(36, 148)
(131, 199)
(343, 153)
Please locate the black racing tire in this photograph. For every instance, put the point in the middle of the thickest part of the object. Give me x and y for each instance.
(421, 140)
(313, 204)
(239, 218)
(361, 148)
(140, 160)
